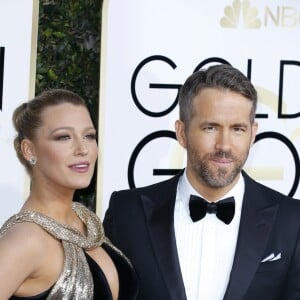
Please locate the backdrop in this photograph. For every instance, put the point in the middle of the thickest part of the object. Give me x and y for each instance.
(150, 47)
(18, 34)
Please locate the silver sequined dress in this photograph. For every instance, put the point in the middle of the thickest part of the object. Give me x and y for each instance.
(75, 282)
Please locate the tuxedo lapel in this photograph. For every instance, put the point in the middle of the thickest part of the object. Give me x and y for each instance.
(159, 211)
(256, 222)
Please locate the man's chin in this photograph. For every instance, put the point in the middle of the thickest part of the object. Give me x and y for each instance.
(220, 180)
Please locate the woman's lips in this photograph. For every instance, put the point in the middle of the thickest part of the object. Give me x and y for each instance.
(81, 167)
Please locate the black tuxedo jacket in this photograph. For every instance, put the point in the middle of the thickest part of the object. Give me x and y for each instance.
(140, 223)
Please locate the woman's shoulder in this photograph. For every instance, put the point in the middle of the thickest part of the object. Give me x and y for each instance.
(22, 247)
(27, 237)
(20, 235)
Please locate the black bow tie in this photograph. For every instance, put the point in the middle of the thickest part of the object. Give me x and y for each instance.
(224, 209)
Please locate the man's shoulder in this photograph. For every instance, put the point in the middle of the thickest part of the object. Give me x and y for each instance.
(170, 183)
(274, 196)
(127, 200)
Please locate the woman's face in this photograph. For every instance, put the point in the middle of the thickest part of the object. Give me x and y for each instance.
(65, 147)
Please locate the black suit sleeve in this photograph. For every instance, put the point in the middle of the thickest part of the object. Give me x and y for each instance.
(291, 289)
(108, 221)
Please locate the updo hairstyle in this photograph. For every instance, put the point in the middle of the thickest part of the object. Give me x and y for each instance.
(27, 116)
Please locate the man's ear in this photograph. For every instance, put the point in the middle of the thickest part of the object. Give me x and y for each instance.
(254, 132)
(180, 133)
(27, 149)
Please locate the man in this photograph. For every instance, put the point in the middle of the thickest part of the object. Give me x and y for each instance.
(245, 247)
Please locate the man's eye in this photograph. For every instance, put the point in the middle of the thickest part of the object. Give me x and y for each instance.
(239, 129)
(209, 129)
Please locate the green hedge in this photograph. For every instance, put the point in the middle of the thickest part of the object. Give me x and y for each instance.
(68, 56)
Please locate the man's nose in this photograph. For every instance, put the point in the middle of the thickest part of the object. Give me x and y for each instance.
(223, 141)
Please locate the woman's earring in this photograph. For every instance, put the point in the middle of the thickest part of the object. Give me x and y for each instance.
(32, 160)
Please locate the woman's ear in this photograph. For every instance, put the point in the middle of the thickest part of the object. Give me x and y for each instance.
(28, 150)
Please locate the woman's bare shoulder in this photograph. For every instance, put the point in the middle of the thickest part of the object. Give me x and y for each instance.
(26, 234)
(21, 254)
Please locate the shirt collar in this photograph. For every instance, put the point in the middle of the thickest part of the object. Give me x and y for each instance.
(185, 189)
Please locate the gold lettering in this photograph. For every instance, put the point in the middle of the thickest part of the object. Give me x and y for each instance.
(270, 15)
(288, 16)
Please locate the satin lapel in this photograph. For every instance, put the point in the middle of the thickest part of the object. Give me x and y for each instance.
(159, 211)
(255, 226)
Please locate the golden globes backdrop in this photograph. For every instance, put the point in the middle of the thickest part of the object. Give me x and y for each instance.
(18, 33)
(148, 50)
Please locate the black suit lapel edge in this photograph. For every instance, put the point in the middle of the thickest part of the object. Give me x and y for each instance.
(256, 222)
(159, 210)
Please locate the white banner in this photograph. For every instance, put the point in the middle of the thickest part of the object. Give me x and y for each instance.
(18, 34)
(149, 48)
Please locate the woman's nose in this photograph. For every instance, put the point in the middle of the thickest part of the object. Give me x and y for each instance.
(81, 147)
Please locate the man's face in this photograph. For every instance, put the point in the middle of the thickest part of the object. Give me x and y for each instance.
(218, 137)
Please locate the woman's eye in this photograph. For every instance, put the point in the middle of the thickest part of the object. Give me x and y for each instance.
(91, 136)
(62, 137)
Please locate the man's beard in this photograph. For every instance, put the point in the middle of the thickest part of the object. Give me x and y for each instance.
(220, 177)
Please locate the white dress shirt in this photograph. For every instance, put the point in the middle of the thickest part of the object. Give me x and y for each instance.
(205, 248)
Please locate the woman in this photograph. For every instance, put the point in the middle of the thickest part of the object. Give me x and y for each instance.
(55, 248)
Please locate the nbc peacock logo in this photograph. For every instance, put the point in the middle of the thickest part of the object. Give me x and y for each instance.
(241, 14)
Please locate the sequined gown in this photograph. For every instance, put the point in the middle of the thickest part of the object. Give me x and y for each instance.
(81, 278)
